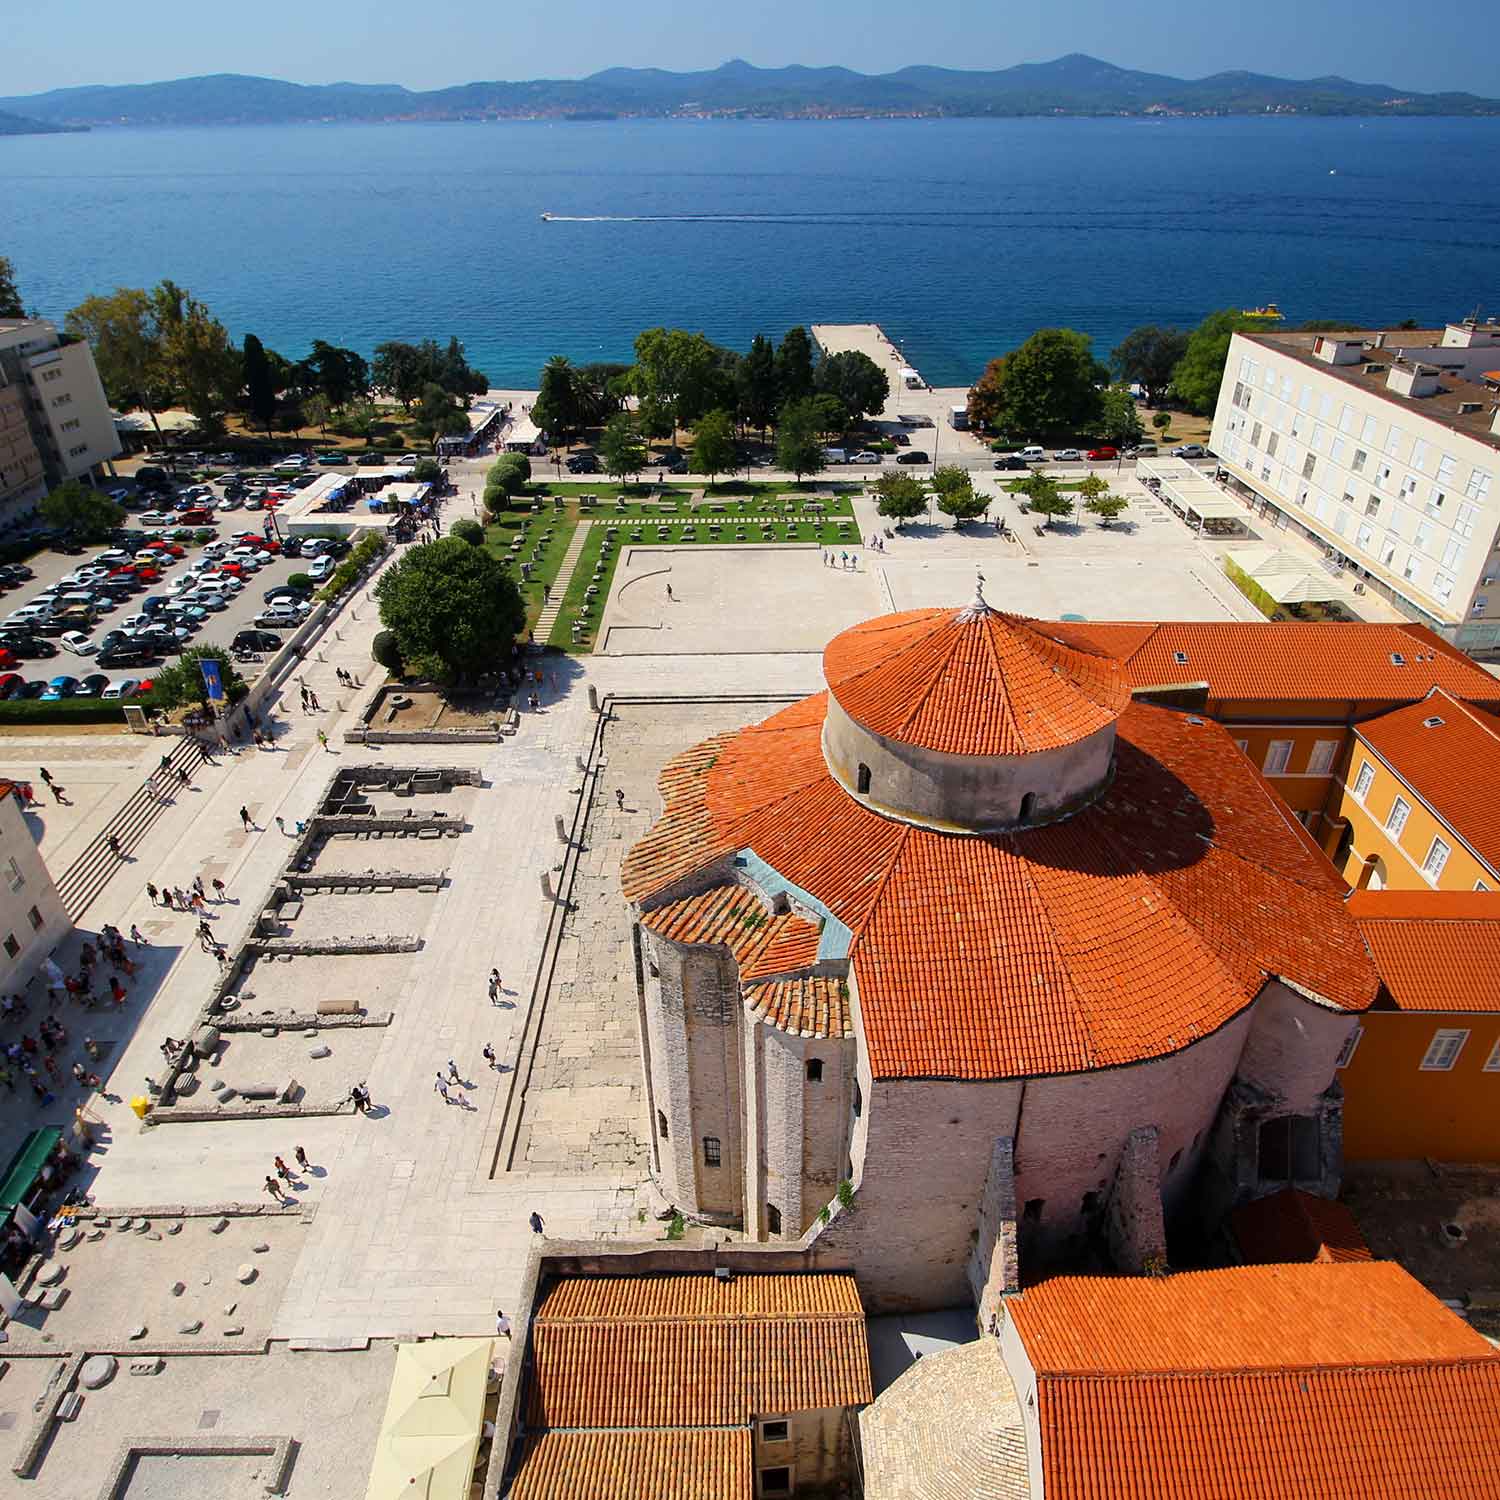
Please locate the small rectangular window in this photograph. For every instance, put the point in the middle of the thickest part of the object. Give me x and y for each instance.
(1320, 762)
(1346, 1052)
(1363, 780)
(774, 1432)
(13, 875)
(711, 1151)
(35, 918)
(773, 1219)
(1277, 756)
(777, 1481)
(661, 1124)
(1396, 820)
(1492, 1062)
(1443, 1050)
(1437, 857)
(815, 1070)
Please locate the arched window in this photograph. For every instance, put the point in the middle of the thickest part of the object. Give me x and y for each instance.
(773, 1219)
(815, 1070)
(661, 1124)
(1028, 806)
(862, 779)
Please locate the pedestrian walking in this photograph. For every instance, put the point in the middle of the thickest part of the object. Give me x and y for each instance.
(283, 1171)
(323, 739)
(495, 986)
(57, 792)
(302, 1163)
(45, 774)
(219, 889)
(246, 819)
(359, 1096)
(137, 936)
(670, 595)
(153, 894)
(196, 902)
(619, 799)
(198, 885)
(453, 1072)
(536, 1224)
(304, 697)
(489, 1057)
(502, 1324)
(116, 990)
(274, 1189)
(179, 898)
(441, 1087)
(114, 846)
(183, 779)
(280, 824)
(312, 698)
(259, 740)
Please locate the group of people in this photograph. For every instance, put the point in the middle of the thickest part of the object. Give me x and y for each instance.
(284, 1173)
(848, 561)
(193, 899)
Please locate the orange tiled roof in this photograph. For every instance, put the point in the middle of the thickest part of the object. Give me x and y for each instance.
(807, 1006)
(1288, 660)
(972, 682)
(689, 1351)
(1295, 1226)
(1404, 1433)
(1276, 1317)
(1453, 765)
(732, 917)
(681, 1463)
(1435, 950)
(1124, 932)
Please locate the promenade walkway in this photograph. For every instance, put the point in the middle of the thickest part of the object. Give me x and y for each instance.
(553, 607)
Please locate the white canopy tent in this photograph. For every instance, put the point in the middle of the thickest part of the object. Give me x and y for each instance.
(1285, 577)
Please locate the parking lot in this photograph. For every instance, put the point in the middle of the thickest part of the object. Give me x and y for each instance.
(218, 626)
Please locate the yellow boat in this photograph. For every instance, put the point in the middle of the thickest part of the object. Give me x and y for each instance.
(1270, 312)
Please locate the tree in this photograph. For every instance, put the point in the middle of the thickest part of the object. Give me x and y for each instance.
(899, 497)
(794, 367)
(1049, 385)
(1148, 356)
(121, 329)
(1161, 421)
(427, 471)
(1200, 371)
(956, 496)
(674, 368)
(799, 443)
(315, 413)
(467, 530)
(713, 444)
(1106, 507)
(601, 390)
(508, 476)
(755, 400)
(856, 380)
(202, 366)
(397, 370)
(387, 652)
(76, 508)
(340, 374)
(359, 420)
(1044, 497)
(557, 407)
(622, 449)
(1119, 421)
(453, 608)
(182, 682)
(10, 296)
(832, 415)
(260, 389)
(438, 415)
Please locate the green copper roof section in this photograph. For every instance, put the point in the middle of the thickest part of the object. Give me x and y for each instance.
(836, 937)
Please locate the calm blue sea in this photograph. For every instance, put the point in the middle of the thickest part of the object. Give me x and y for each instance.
(960, 237)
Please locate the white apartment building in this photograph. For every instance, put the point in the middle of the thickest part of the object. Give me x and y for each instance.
(71, 428)
(32, 919)
(1384, 448)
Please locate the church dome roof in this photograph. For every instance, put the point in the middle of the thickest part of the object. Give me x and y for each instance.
(973, 681)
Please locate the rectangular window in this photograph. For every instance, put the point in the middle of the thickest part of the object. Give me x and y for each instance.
(1346, 419)
(1452, 551)
(1419, 455)
(1388, 551)
(1393, 441)
(1463, 522)
(1320, 762)
(12, 947)
(1446, 465)
(1308, 465)
(1372, 506)
(1396, 820)
(1278, 754)
(1363, 780)
(1365, 537)
(1437, 857)
(1337, 450)
(1360, 459)
(774, 1432)
(1492, 1062)
(777, 1481)
(1442, 1051)
(1367, 432)
(712, 1155)
(1255, 436)
(13, 875)
(1271, 444)
(773, 1219)
(1383, 475)
(1346, 1052)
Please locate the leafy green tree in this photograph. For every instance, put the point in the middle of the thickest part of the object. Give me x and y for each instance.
(856, 380)
(203, 367)
(1200, 371)
(622, 449)
(1161, 421)
(1106, 507)
(713, 444)
(1330, 325)
(674, 368)
(260, 391)
(799, 441)
(385, 650)
(467, 530)
(427, 471)
(121, 329)
(899, 497)
(1091, 486)
(794, 367)
(507, 477)
(77, 508)
(756, 397)
(316, 413)
(1044, 497)
(397, 370)
(832, 415)
(1049, 385)
(985, 397)
(653, 418)
(10, 296)
(956, 495)
(438, 415)
(601, 390)
(182, 682)
(358, 420)
(340, 375)
(557, 408)
(453, 608)
(1119, 421)
(1147, 356)
(455, 374)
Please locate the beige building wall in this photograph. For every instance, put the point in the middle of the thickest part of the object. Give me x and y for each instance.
(22, 481)
(817, 1448)
(32, 919)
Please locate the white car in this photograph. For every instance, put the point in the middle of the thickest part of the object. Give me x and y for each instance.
(182, 583)
(157, 517)
(230, 502)
(217, 549)
(28, 612)
(202, 565)
(1190, 450)
(223, 582)
(320, 567)
(78, 643)
(248, 557)
(864, 456)
(1067, 456)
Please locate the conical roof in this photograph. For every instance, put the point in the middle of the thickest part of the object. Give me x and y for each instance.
(974, 681)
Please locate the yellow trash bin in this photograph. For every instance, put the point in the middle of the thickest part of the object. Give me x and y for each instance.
(140, 1104)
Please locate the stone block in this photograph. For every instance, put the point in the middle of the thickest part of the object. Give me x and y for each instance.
(174, 1228)
(138, 1332)
(292, 1092)
(178, 1288)
(218, 1226)
(53, 1298)
(229, 1308)
(146, 1367)
(234, 1330)
(206, 1041)
(270, 1031)
(227, 1094)
(216, 1085)
(51, 1273)
(246, 1273)
(69, 1406)
(260, 1247)
(319, 1052)
(142, 1225)
(97, 1371)
(190, 1328)
(310, 1031)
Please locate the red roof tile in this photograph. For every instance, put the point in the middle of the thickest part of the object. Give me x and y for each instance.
(1295, 1226)
(1453, 764)
(680, 1463)
(1288, 660)
(806, 1006)
(972, 682)
(1435, 950)
(1121, 933)
(732, 917)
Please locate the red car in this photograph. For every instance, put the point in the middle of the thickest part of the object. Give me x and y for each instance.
(228, 566)
(167, 549)
(11, 683)
(1099, 455)
(147, 574)
(8, 658)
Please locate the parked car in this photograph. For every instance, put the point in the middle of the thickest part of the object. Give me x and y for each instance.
(11, 684)
(155, 517)
(33, 689)
(210, 600)
(1102, 454)
(78, 643)
(255, 640)
(912, 456)
(231, 502)
(61, 687)
(583, 463)
(283, 591)
(864, 456)
(1010, 461)
(124, 688)
(333, 458)
(319, 568)
(93, 685)
(1142, 450)
(132, 654)
(1190, 450)
(23, 643)
(1067, 456)
(1034, 453)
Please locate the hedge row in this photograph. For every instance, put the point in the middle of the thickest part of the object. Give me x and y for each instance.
(64, 711)
(344, 576)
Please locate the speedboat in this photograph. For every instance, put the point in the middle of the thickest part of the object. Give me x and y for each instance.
(546, 218)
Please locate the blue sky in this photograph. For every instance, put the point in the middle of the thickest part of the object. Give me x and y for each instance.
(1454, 44)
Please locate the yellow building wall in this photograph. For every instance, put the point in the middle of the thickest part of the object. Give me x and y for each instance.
(1300, 789)
(1401, 858)
(1395, 1111)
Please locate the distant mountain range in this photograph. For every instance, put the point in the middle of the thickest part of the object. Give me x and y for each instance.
(1072, 85)
(22, 125)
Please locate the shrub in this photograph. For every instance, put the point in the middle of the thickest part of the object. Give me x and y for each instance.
(301, 581)
(469, 531)
(426, 471)
(676, 1227)
(64, 711)
(344, 575)
(386, 650)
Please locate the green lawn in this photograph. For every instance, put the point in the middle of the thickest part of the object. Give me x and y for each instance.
(499, 535)
(746, 500)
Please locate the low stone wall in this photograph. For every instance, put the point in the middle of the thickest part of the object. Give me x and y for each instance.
(367, 880)
(370, 943)
(358, 736)
(290, 1020)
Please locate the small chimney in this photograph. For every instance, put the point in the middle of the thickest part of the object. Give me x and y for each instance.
(1378, 342)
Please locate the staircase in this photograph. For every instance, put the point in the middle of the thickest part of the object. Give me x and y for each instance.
(553, 607)
(82, 881)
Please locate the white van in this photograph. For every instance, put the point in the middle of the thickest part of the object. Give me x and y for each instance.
(1033, 455)
(834, 456)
